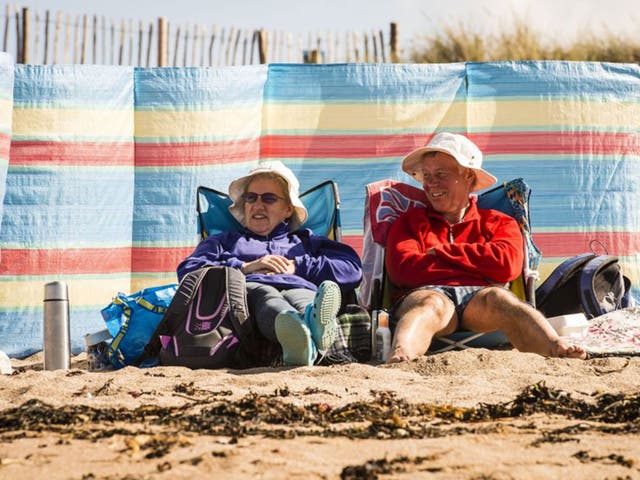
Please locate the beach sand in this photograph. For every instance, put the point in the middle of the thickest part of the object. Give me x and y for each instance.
(473, 414)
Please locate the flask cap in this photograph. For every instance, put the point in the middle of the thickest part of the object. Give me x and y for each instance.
(56, 291)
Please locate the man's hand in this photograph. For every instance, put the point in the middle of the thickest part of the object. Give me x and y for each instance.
(269, 264)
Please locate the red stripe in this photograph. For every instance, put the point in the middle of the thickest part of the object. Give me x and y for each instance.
(5, 142)
(306, 146)
(64, 261)
(197, 153)
(90, 260)
(359, 146)
(569, 244)
(158, 259)
(589, 143)
(16, 262)
(71, 153)
(354, 241)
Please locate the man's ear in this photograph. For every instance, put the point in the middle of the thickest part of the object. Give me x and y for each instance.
(471, 176)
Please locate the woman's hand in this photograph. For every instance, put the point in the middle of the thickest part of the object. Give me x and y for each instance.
(269, 264)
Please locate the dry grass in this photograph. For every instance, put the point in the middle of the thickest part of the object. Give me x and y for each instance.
(460, 44)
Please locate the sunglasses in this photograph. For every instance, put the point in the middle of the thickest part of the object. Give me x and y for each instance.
(268, 197)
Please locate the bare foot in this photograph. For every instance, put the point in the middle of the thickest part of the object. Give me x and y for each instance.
(399, 354)
(564, 350)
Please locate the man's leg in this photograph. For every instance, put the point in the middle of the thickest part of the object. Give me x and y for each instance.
(421, 315)
(496, 308)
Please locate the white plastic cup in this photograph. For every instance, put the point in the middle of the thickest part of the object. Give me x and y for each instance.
(97, 350)
(5, 364)
(574, 324)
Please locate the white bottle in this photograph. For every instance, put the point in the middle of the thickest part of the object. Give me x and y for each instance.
(383, 337)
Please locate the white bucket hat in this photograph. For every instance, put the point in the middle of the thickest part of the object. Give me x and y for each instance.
(459, 147)
(237, 188)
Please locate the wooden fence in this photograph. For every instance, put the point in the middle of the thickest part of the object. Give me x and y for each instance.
(32, 37)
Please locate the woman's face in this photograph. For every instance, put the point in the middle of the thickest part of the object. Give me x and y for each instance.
(262, 217)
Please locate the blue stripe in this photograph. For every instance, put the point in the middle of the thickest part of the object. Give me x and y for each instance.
(545, 79)
(365, 82)
(165, 200)
(198, 88)
(21, 330)
(44, 86)
(68, 207)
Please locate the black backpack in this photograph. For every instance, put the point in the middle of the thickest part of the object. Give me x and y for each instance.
(588, 283)
(207, 325)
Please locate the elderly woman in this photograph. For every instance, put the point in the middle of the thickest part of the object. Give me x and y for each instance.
(292, 274)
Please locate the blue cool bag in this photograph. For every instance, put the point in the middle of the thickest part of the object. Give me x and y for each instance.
(132, 319)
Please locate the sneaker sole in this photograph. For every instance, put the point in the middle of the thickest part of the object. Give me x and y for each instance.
(295, 339)
(324, 328)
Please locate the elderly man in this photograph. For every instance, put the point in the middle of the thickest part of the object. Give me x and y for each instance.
(451, 261)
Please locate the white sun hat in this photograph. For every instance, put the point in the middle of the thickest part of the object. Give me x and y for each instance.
(238, 186)
(459, 147)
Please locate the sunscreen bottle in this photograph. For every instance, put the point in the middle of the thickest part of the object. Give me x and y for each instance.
(383, 337)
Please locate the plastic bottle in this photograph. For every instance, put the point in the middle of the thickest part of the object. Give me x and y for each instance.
(57, 344)
(383, 337)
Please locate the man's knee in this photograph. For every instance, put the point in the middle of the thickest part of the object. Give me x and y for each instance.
(496, 298)
(435, 303)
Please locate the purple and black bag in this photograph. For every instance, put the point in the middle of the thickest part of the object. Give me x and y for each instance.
(207, 324)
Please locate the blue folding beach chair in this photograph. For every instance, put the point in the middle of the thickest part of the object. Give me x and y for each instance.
(387, 199)
(322, 203)
(323, 206)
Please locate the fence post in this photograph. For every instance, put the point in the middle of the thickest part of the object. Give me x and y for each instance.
(25, 35)
(46, 36)
(85, 39)
(163, 42)
(393, 42)
(262, 46)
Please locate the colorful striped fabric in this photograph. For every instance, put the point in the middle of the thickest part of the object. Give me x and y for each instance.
(99, 187)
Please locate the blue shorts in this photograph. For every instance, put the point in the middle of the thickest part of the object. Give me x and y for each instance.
(460, 296)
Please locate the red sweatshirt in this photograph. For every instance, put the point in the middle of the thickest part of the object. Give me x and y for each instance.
(486, 247)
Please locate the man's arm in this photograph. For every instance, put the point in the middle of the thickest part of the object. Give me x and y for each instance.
(412, 264)
(500, 258)
(408, 264)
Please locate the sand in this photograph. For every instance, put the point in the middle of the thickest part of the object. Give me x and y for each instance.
(349, 421)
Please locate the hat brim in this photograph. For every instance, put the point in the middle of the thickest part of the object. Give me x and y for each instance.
(237, 188)
(411, 162)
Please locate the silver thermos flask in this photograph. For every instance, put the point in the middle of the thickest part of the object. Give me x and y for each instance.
(57, 343)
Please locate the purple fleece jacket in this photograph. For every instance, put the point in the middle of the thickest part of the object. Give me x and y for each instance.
(316, 257)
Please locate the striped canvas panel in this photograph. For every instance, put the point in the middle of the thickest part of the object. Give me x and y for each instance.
(68, 208)
(194, 126)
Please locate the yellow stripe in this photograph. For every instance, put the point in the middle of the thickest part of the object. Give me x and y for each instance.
(630, 269)
(553, 114)
(72, 122)
(6, 111)
(385, 117)
(140, 283)
(30, 293)
(232, 123)
(475, 114)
